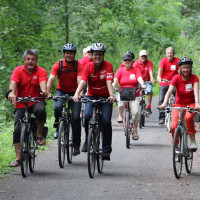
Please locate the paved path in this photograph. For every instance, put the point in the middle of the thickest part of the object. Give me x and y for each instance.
(142, 172)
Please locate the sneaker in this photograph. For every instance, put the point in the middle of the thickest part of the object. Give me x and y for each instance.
(149, 112)
(119, 120)
(76, 151)
(106, 156)
(193, 146)
(84, 147)
(161, 121)
(56, 135)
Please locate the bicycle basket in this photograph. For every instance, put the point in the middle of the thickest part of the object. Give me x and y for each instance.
(127, 94)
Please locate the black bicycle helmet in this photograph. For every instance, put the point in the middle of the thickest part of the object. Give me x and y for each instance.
(185, 60)
(131, 53)
(98, 47)
(69, 47)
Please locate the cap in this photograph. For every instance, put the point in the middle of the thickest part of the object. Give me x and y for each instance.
(127, 56)
(143, 53)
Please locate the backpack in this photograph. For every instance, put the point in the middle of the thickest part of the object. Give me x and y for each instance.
(68, 70)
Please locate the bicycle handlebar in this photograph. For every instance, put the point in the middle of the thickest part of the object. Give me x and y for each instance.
(101, 100)
(66, 97)
(188, 108)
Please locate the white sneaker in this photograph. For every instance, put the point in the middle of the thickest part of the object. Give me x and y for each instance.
(193, 145)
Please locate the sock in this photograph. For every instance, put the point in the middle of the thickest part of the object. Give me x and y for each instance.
(148, 106)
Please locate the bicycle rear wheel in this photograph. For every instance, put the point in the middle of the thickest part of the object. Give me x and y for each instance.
(188, 158)
(141, 115)
(91, 154)
(124, 121)
(127, 131)
(177, 153)
(32, 150)
(69, 143)
(61, 144)
(168, 119)
(24, 151)
(82, 115)
(100, 162)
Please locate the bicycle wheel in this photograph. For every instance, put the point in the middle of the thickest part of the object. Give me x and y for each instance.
(124, 121)
(61, 144)
(24, 151)
(32, 150)
(127, 131)
(91, 154)
(99, 150)
(141, 115)
(82, 115)
(69, 142)
(188, 158)
(168, 122)
(177, 153)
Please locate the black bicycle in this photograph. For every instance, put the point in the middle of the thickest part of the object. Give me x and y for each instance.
(181, 147)
(28, 144)
(65, 137)
(94, 144)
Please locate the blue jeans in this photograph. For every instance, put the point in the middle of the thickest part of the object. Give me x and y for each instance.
(76, 120)
(106, 115)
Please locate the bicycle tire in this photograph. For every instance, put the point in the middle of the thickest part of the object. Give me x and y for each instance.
(24, 151)
(124, 121)
(82, 118)
(69, 142)
(32, 150)
(140, 115)
(143, 113)
(91, 154)
(177, 155)
(188, 158)
(127, 131)
(61, 144)
(100, 162)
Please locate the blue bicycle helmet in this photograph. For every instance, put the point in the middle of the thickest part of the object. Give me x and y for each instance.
(69, 47)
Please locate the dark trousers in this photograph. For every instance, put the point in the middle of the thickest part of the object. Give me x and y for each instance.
(76, 120)
(106, 115)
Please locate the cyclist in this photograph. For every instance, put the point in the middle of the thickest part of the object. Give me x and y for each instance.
(146, 68)
(120, 107)
(99, 76)
(129, 76)
(88, 56)
(187, 94)
(168, 68)
(68, 80)
(26, 80)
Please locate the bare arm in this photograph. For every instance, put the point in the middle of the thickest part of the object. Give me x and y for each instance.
(115, 82)
(50, 83)
(12, 95)
(110, 90)
(151, 77)
(159, 74)
(167, 96)
(78, 79)
(81, 85)
(43, 87)
(196, 95)
(141, 81)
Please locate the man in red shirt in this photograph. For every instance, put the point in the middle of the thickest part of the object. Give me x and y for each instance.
(99, 76)
(168, 68)
(68, 80)
(27, 80)
(146, 68)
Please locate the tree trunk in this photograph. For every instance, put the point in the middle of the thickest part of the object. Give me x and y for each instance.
(66, 21)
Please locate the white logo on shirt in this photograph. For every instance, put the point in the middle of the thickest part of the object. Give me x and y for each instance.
(35, 77)
(132, 76)
(188, 87)
(102, 76)
(109, 75)
(173, 67)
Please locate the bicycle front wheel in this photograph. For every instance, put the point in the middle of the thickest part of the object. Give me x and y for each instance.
(24, 151)
(127, 131)
(61, 144)
(69, 142)
(32, 150)
(141, 115)
(91, 154)
(177, 153)
(189, 157)
(99, 150)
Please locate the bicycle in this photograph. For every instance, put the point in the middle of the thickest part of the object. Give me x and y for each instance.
(28, 144)
(65, 137)
(94, 143)
(181, 149)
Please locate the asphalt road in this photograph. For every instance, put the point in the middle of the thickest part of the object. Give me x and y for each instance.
(142, 172)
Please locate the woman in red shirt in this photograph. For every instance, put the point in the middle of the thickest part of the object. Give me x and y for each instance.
(187, 94)
(129, 77)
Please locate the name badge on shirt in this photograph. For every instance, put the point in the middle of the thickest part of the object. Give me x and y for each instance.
(188, 87)
(173, 67)
(132, 76)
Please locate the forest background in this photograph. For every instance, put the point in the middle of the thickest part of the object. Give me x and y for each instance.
(120, 24)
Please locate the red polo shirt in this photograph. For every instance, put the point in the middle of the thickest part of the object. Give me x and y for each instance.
(170, 69)
(144, 68)
(67, 81)
(184, 89)
(84, 61)
(97, 79)
(128, 78)
(28, 84)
